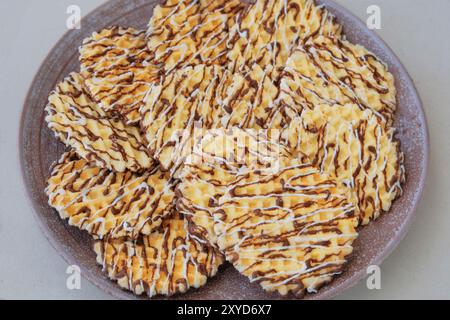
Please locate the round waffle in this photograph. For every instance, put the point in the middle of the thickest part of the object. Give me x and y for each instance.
(204, 98)
(166, 262)
(79, 123)
(185, 100)
(219, 158)
(359, 150)
(118, 70)
(189, 32)
(290, 231)
(106, 203)
(335, 72)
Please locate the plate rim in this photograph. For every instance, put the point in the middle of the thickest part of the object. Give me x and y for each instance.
(333, 292)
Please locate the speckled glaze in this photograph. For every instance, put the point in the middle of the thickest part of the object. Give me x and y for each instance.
(39, 149)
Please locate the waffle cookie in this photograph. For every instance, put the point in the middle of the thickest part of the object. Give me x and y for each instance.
(185, 100)
(334, 71)
(357, 148)
(80, 124)
(189, 32)
(166, 262)
(267, 31)
(109, 204)
(290, 230)
(118, 70)
(247, 131)
(206, 97)
(217, 160)
(248, 100)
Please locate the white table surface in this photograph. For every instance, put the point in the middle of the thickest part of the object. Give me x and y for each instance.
(417, 30)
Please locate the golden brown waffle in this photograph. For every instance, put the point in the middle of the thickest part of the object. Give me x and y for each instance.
(218, 159)
(291, 231)
(356, 147)
(334, 71)
(79, 123)
(185, 100)
(167, 262)
(106, 203)
(248, 100)
(205, 98)
(118, 70)
(267, 31)
(190, 32)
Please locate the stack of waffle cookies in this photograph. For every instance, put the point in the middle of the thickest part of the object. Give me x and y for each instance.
(228, 131)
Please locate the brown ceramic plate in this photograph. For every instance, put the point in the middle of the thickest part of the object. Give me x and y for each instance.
(39, 149)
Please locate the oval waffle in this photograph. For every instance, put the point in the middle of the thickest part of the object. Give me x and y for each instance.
(79, 123)
(117, 67)
(356, 147)
(106, 203)
(166, 262)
